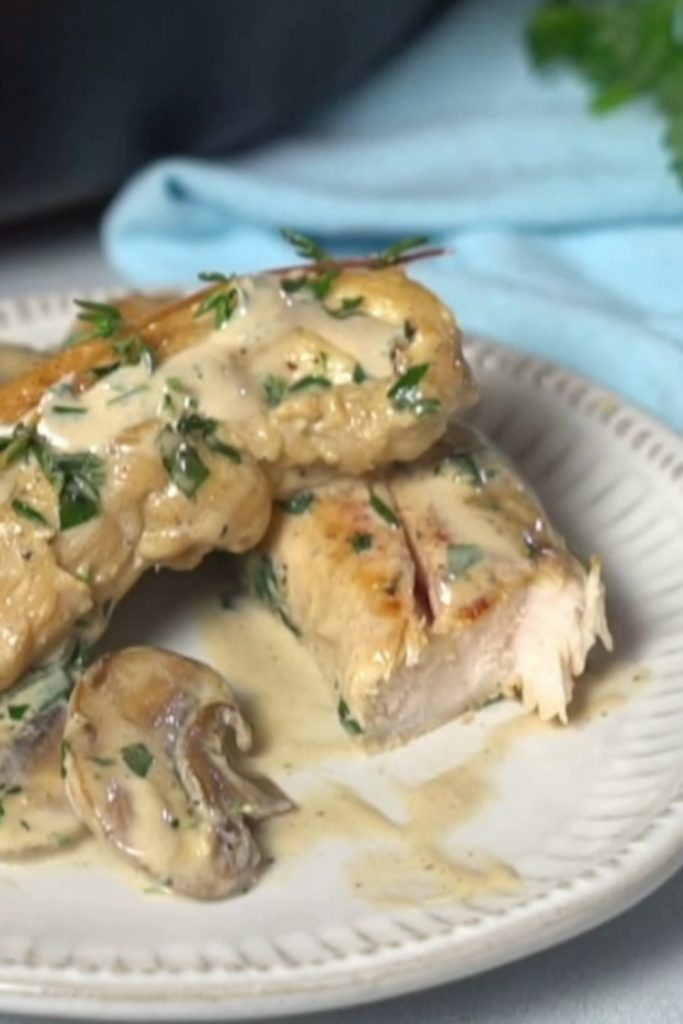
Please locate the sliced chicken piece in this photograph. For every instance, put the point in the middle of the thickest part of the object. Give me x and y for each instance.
(143, 506)
(449, 591)
(342, 368)
(36, 816)
(153, 745)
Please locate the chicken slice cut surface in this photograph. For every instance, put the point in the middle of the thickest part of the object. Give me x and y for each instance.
(434, 590)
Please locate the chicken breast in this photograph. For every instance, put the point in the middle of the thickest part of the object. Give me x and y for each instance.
(345, 369)
(431, 591)
(150, 445)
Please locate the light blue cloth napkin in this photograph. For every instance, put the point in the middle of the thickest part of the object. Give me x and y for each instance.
(566, 230)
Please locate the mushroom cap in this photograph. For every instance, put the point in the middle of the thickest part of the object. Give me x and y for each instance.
(152, 744)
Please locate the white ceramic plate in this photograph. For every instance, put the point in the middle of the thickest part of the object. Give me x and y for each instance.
(591, 817)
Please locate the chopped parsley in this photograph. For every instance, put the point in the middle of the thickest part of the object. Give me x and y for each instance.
(464, 466)
(17, 711)
(298, 504)
(207, 428)
(308, 382)
(349, 307)
(266, 587)
(349, 723)
(318, 284)
(461, 557)
(138, 758)
(222, 301)
(275, 389)
(69, 410)
(75, 476)
(406, 396)
(361, 542)
(359, 374)
(383, 510)
(77, 479)
(133, 350)
(26, 511)
(182, 461)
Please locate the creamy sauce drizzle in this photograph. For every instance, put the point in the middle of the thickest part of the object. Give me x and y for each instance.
(401, 837)
(405, 840)
(270, 333)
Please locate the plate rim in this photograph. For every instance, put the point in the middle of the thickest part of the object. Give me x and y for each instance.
(606, 889)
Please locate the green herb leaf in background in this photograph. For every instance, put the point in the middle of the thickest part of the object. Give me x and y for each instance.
(625, 49)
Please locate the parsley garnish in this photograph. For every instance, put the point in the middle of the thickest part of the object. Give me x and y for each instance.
(348, 722)
(349, 307)
(275, 389)
(222, 301)
(310, 381)
(267, 588)
(319, 284)
(138, 758)
(461, 557)
(361, 542)
(392, 254)
(104, 318)
(625, 51)
(297, 505)
(304, 246)
(195, 423)
(21, 508)
(464, 466)
(359, 374)
(383, 510)
(17, 711)
(133, 350)
(76, 477)
(406, 396)
(69, 410)
(182, 462)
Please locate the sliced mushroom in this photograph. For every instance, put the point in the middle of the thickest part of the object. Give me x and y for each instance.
(152, 745)
(35, 813)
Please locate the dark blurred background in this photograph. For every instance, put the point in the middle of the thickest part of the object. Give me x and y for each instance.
(90, 90)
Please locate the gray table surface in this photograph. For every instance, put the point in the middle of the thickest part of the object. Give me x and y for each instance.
(629, 971)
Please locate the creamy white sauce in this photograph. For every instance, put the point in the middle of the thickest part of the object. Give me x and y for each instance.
(269, 334)
(405, 847)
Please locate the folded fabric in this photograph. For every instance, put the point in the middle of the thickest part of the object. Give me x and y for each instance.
(566, 230)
